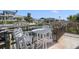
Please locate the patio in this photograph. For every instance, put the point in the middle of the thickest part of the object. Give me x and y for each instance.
(67, 41)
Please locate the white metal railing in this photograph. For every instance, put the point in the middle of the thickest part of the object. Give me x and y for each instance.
(24, 40)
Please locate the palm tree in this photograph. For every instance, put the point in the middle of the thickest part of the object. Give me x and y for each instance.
(28, 18)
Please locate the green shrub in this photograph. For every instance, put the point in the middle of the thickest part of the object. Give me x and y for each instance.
(7, 22)
(72, 30)
(1, 22)
(10, 22)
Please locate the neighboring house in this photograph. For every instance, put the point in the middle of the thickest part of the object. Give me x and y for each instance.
(9, 15)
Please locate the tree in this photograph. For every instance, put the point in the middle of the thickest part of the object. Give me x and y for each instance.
(18, 18)
(77, 17)
(28, 18)
(42, 18)
(72, 18)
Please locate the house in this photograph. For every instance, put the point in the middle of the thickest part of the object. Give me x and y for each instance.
(9, 15)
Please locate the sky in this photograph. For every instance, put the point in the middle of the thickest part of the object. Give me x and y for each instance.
(48, 13)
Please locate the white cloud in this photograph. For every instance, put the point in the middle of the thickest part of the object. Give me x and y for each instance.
(55, 11)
